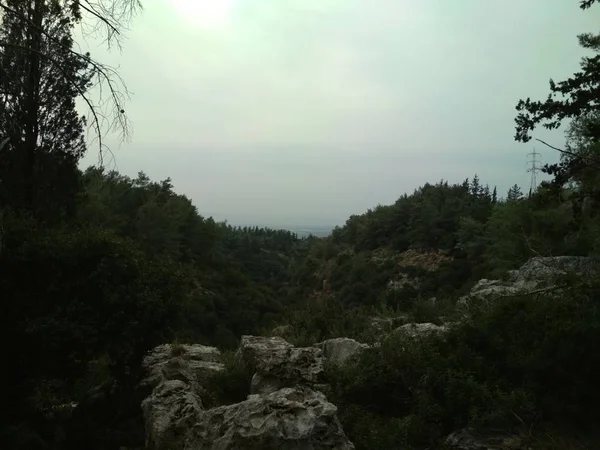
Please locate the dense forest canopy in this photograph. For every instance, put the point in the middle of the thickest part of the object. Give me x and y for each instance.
(97, 267)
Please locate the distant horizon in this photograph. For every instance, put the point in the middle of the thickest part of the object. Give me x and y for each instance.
(329, 120)
(280, 226)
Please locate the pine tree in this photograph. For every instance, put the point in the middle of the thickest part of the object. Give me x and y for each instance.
(514, 194)
(38, 167)
(475, 186)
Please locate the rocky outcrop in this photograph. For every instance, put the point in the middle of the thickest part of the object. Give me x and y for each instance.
(537, 273)
(189, 363)
(283, 411)
(338, 350)
(170, 412)
(277, 363)
(290, 418)
(175, 374)
(421, 329)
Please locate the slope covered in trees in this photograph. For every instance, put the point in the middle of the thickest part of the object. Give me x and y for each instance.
(96, 268)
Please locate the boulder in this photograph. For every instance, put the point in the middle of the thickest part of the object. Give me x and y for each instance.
(421, 329)
(288, 419)
(469, 439)
(338, 350)
(284, 411)
(277, 364)
(282, 331)
(537, 273)
(169, 414)
(383, 325)
(185, 362)
(175, 375)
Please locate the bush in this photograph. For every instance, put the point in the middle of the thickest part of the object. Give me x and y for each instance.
(528, 359)
(229, 386)
(71, 297)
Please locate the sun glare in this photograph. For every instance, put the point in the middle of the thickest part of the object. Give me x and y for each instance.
(205, 13)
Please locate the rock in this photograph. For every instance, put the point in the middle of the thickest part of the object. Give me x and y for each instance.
(337, 351)
(537, 273)
(421, 329)
(468, 439)
(169, 414)
(254, 349)
(287, 419)
(183, 362)
(285, 409)
(278, 364)
(176, 375)
(282, 331)
(386, 324)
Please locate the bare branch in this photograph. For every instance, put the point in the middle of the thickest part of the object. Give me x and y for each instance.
(566, 152)
(113, 14)
(67, 77)
(103, 73)
(590, 160)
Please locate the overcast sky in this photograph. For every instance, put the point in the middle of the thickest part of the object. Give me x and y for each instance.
(302, 112)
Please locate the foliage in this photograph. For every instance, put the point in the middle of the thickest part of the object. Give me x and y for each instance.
(38, 115)
(95, 297)
(97, 267)
(229, 386)
(526, 359)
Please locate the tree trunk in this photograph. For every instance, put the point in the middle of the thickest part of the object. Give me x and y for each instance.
(32, 93)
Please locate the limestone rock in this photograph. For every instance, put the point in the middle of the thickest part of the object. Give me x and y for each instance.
(193, 362)
(169, 413)
(287, 419)
(468, 439)
(175, 375)
(537, 273)
(386, 324)
(284, 411)
(337, 351)
(421, 329)
(277, 364)
(282, 331)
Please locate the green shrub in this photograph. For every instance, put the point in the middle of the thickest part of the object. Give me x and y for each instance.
(231, 385)
(521, 360)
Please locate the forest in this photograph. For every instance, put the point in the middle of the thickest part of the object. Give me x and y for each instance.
(97, 268)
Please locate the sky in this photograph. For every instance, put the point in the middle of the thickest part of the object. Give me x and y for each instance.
(303, 112)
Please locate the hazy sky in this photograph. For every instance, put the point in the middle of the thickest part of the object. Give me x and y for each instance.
(302, 112)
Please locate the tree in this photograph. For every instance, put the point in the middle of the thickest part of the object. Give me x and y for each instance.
(514, 194)
(38, 47)
(580, 95)
(38, 115)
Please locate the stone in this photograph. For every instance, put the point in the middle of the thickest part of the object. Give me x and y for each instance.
(282, 331)
(288, 419)
(277, 364)
(469, 439)
(338, 350)
(537, 273)
(421, 329)
(185, 362)
(383, 325)
(285, 410)
(175, 375)
(169, 414)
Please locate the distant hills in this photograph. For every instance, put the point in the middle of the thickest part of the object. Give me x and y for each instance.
(307, 231)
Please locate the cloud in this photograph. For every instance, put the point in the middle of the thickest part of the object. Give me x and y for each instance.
(310, 110)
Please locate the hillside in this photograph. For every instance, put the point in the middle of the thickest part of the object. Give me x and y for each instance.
(116, 289)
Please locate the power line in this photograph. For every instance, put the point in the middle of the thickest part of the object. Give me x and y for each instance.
(534, 169)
